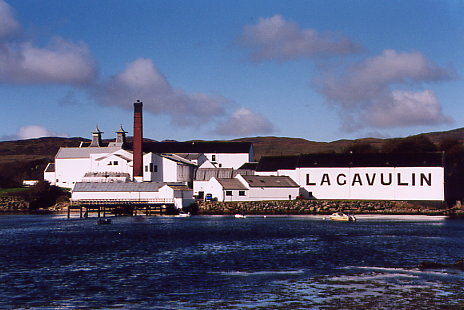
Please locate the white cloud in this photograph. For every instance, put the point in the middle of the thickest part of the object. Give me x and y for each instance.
(61, 62)
(244, 122)
(405, 107)
(277, 38)
(35, 131)
(21, 62)
(142, 80)
(371, 93)
(8, 24)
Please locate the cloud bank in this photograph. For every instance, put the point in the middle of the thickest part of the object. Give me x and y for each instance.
(371, 93)
(69, 63)
(8, 23)
(142, 80)
(275, 38)
(61, 62)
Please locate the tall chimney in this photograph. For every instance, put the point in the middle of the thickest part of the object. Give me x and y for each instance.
(138, 137)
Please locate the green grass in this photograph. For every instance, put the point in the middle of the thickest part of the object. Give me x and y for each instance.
(12, 190)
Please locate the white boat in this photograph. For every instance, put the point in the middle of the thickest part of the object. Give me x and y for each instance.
(240, 216)
(184, 214)
(342, 217)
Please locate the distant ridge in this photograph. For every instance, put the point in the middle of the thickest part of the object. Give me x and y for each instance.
(47, 147)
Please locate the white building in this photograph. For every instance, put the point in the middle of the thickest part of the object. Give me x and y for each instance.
(204, 175)
(362, 176)
(164, 164)
(252, 188)
(138, 193)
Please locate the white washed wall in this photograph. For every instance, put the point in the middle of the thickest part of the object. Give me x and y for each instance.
(401, 183)
(215, 188)
(107, 164)
(50, 177)
(272, 193)
(70, 170)
(229, 160)
(169, 170)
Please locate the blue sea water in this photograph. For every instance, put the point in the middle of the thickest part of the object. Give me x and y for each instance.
(51, 262)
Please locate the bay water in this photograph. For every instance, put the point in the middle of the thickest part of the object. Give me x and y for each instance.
(220, 262)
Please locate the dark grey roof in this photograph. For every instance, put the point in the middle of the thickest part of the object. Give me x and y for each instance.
(194, 147)
(269, 181)
(249, 166)
(231, 184)
(50, 167)
(274, 163)
(205, 174)
(117, 187)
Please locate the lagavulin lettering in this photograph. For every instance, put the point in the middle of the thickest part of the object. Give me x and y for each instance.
(371, 179)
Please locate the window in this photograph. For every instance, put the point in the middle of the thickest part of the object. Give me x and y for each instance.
(153, 168)
(241, 193)
(116, 163)
(146, 168)
(110, 163)
(213, 157)
(228, 193)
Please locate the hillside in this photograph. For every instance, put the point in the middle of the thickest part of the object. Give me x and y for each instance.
(36, 153)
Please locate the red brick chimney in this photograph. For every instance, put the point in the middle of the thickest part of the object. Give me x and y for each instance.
(138, 137)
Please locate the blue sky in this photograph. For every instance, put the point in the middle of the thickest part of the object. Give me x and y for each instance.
(320, 70)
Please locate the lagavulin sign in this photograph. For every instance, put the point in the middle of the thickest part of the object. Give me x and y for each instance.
(401, 183)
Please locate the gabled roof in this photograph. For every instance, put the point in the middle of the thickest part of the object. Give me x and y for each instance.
(83, 152)
(194, 147)
(269, 181)
(274, 163)
(231, 184)
(178, 159)
(50, 167)
(118, 155)
(249, 166)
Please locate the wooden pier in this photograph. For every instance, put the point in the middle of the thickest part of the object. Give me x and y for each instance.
(120, 207)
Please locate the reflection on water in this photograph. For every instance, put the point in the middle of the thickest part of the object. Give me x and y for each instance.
(224, 263)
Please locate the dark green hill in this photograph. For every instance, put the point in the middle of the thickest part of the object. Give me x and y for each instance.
(27, 158)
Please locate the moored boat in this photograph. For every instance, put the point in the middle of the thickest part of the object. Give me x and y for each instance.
(342, 217)
(104, 221)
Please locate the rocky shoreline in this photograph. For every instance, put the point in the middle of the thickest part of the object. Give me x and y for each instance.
(302, 207)
(14, 205)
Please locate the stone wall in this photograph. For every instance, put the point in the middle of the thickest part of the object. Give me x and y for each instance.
(13, 203)
(300, 207)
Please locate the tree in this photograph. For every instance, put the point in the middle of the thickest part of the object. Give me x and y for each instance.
(44, 195)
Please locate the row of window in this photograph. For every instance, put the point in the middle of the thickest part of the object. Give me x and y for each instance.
(111, 163)
(240, 193)
(151, 168)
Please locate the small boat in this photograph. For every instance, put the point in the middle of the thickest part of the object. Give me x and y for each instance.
(239, 216)
(183, 214)
(342, 217)
(104, 221)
